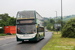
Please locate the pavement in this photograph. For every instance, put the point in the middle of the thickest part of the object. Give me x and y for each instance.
(7, 37)
(12, 44)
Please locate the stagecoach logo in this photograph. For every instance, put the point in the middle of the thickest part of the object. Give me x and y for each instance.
(24, 35)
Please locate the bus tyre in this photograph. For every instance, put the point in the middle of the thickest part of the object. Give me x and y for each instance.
(38, 38)
(43, 38)
(22, 41)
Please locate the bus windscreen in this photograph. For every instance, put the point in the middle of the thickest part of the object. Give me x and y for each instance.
(26, 29)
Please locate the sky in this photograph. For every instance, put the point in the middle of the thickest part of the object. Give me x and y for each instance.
(46, 8)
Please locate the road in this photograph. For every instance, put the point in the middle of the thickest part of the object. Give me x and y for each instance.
(11, 44)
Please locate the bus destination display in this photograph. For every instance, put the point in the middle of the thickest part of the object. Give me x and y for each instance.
(27, 21)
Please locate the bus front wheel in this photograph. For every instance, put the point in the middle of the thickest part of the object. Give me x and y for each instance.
(23, 41)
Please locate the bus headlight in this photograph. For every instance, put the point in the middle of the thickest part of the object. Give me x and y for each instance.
(19, 36)
(33, 35)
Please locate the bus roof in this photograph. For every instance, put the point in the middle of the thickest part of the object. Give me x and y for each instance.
(29, 14)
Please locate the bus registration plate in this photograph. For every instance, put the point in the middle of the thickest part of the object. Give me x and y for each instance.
(26, 40)
(25, 35)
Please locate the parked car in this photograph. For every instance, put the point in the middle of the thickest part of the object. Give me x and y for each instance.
(46, 30)
(0, 27)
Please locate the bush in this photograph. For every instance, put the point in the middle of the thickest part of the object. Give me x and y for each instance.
(2, 34)
(48, 27)
(69, 29)
(1, 31)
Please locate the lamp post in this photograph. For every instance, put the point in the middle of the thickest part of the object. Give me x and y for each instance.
(61, 15)
(56, 14)
(56, 23)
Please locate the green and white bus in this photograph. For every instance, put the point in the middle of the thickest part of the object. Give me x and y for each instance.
(29, 26)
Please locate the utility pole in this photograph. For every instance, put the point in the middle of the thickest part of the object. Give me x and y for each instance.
(61, 16)
(56, 23)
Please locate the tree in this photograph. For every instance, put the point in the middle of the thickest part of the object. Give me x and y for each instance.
(58, 21)
(48, 27)
(49, 24)
(12, 21)
(4, 16)
(45, 23)
(6, 21)
(52, 21)
(69, 29)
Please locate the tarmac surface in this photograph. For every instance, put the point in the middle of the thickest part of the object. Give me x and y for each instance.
(12, 44)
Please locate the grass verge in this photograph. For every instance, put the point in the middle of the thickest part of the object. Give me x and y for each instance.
(14, 34)
(59, 43)
(2, 34)
(5, 34)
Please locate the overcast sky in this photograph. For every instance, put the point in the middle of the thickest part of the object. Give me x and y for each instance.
(45, 8)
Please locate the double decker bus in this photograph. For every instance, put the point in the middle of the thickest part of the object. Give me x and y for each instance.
(29, 26)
